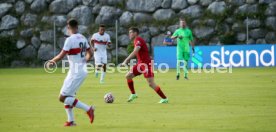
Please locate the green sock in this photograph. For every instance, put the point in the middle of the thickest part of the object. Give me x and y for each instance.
(185, 69)
(178, 67)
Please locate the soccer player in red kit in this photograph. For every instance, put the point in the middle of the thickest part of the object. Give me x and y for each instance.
(143, 66)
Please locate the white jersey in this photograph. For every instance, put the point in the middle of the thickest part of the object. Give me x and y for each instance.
(100, 43)
(76, 46)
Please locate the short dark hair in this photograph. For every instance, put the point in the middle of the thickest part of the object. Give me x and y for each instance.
(72, 23)
(134, 29)
(102, 25)
(182, 19)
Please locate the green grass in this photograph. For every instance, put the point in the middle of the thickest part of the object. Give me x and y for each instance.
(242, 101)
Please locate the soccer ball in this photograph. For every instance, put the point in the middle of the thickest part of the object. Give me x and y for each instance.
(108, 98)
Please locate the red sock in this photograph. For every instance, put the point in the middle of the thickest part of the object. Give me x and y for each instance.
(130, 86)
(68, 106)
(75, 102)
(160, 93)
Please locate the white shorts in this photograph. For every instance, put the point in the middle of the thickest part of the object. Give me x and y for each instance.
(72, 84)
(100, 59)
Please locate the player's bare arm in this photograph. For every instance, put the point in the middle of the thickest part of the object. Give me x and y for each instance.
(174, 37)
(57, 58)
(109, 44)
(132, 55)
(88, 55)
(92, 45)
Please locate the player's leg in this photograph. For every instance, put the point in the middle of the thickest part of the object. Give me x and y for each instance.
(71, 102)
(70, 116)
(97, 65)
(157, 89)
(185, 67)
(68, 92)
(69, 111)
(130, 83)
(75, 85)
(178, 63)
(104, 62)
(178, 69)
(149, 75)
(74, 102)
(129, 77)
(103, 73)
(97, 71)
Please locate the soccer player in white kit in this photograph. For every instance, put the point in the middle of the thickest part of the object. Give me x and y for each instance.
(78, 51)
(99, 41)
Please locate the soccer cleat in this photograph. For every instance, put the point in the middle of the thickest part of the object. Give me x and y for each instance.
(132, 97)
(186, 78)
(177, 77)
(90, 114)
(164, 101)
(69, 124)
(101, 81)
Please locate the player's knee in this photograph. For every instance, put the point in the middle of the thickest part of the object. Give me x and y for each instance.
(104, 68)
(152, 84)
(127, 77)
(62, 98)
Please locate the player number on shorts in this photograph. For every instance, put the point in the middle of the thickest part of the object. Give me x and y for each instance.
(83, 48)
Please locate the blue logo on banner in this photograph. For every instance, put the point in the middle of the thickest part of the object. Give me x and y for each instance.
(221, 56)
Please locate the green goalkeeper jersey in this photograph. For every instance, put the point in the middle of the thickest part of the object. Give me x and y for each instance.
(183, 44)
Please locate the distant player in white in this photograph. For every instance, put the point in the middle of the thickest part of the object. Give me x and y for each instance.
(99, 41)
(78, 51)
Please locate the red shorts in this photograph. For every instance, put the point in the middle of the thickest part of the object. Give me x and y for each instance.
(142, 68)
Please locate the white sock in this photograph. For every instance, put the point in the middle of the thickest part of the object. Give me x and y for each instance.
(83, 106)
(70, 113)
(69, 101)
(102, 75)
(79, 104)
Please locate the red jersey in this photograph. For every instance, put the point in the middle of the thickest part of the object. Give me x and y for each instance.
(143, 54)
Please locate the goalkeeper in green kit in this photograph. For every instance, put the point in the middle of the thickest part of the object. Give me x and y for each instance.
(184, 40)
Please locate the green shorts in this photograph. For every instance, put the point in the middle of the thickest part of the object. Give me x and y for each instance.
(183, 56)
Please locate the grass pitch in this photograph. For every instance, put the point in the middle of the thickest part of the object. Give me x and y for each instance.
(242, 101)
